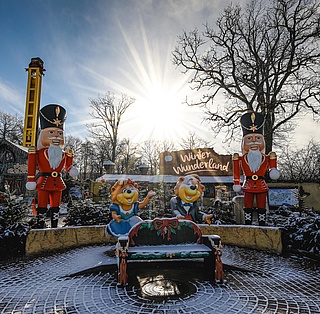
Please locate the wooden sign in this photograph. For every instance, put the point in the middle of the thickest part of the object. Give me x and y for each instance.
(201, 161)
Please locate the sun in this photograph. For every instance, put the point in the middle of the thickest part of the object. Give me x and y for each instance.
(161, 115)
(159, 112)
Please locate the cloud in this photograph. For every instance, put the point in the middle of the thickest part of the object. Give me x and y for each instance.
(11, 99)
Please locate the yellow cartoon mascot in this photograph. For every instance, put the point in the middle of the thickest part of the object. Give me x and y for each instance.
(125, 207)
(185, 205)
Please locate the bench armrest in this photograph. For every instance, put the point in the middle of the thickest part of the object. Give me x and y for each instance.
(123, 242)
(213, 241)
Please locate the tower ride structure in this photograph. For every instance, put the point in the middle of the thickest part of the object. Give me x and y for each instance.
(35, 73)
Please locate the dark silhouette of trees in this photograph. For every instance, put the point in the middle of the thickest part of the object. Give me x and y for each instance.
(108, 112)
(11, 127)
(150, 153)
(263, 57)
(300, 165)
(127, 160)
(192, 142)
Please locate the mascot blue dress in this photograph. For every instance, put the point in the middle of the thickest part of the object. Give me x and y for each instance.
(128, 219)
(125, 207)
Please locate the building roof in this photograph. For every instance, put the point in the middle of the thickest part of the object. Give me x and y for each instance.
(20, 147)
(161, 178)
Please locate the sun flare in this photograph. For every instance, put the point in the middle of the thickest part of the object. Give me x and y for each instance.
(160, 91)
(161, 112)
(162, 115)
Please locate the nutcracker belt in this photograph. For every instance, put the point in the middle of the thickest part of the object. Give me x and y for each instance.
(53, 174)
(254, 177)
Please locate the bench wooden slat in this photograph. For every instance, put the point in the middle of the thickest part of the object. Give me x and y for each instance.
(169, 251)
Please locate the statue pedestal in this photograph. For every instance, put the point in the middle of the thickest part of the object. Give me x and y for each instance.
(238, 209)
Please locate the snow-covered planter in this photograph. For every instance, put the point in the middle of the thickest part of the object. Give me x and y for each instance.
(13, 240)
(301, 230)
(13, 232)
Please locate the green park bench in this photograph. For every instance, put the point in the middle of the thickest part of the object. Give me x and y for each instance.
(165, 239)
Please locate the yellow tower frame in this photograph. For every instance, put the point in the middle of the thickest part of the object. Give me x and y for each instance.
(35, 73)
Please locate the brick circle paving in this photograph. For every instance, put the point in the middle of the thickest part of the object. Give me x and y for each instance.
(257, 282)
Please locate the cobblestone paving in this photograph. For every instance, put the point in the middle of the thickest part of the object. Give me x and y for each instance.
(257, 282)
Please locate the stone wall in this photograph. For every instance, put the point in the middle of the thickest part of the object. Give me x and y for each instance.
(255, 237)
(46, 240)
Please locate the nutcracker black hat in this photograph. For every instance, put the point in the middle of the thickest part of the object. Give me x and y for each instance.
(52, 116)
(252, 122)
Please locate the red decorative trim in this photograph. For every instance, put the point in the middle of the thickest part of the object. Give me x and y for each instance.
(165, 225)
(198, 232)
(134, 233)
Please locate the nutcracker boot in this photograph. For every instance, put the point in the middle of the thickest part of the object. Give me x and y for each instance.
(262, 216)
(41, 217)
(248, 216)
(54, 215)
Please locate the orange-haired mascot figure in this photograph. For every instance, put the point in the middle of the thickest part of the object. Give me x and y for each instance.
(254, 163)
(50, 159)
(125, 207)
(185, 205)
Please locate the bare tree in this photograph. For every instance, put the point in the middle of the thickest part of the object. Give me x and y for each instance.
(300, 165)
(127, 159)
(92, 156)
(150, 152)
(192, 142)
(74, 143)
(11, 127)
(264, 57)
(108, 112)
(100, 152)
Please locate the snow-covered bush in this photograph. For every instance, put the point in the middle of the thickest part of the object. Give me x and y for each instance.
(85, 213)
(13, 227)
(301, 229)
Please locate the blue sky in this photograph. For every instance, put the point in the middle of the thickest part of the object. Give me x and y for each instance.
(90, 47)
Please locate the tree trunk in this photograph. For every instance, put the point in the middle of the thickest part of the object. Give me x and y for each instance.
(268, 136)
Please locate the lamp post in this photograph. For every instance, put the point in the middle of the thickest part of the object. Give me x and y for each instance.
(108, 166)
(143, 168)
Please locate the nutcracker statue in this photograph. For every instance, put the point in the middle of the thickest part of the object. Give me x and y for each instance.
(50, 159)
(255, 164)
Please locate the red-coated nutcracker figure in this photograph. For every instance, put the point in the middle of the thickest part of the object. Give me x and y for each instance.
(254, 163)
(50, 159)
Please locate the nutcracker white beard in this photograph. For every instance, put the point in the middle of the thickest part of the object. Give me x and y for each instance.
(54, 155)
(254, 160)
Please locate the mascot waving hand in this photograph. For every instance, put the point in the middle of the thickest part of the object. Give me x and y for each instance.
(125, 207)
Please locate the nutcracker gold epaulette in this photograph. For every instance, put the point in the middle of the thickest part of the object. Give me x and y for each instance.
(31, 150)
(272, 155)
(235, 156)
(69, 153)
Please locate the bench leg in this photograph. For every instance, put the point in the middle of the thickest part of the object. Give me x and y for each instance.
(122, 256)
(209, 266)
(219, 273)
(122, 269)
